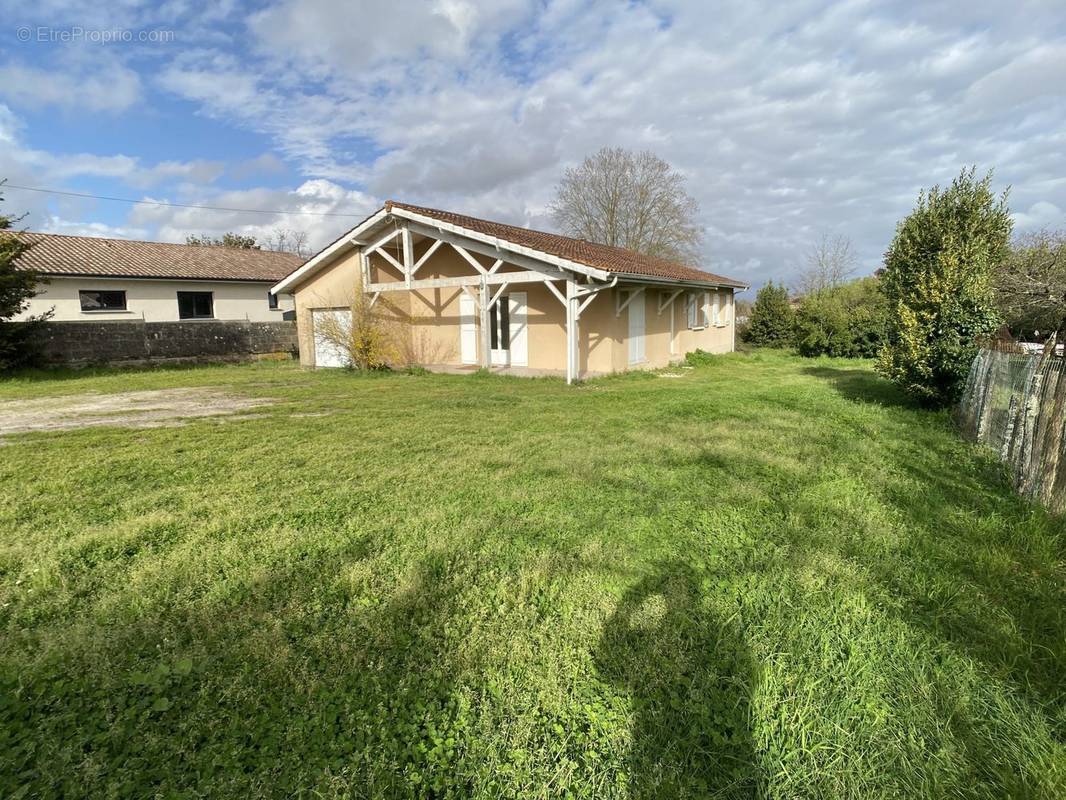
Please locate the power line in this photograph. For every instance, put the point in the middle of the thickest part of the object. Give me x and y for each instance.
(177, 205)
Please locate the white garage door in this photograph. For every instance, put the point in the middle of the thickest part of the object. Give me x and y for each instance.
(329, 324)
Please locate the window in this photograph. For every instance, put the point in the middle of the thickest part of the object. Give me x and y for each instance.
(500, 325)
(692, 308)
(196, 305)
(102, 300)
(272, 301)
(716, 311)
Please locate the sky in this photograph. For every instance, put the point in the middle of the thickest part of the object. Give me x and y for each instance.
(788, 120)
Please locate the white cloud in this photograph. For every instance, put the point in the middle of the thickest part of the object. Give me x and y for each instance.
(305, 208)
(787, 118)
(55, 224)
(111, 87)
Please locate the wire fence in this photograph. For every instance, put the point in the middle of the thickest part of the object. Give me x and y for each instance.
(1015, 402)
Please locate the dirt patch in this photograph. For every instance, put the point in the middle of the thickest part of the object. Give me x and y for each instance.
(148, 409)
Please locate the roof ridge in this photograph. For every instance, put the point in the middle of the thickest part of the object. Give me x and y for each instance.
(628, 251)
(156, 243)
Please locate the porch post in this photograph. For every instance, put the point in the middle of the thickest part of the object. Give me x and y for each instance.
(408, 256)
(571, 332)
(486, 342)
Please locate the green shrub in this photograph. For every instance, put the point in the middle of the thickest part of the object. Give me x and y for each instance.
(700, 358)
(850, 321)
(938, 280)
(771, 318)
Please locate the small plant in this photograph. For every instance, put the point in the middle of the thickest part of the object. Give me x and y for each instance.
(700, 358)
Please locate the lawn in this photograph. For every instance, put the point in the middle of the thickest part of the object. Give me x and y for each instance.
(768, 577)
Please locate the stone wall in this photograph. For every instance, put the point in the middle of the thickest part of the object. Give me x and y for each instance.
(132, 342)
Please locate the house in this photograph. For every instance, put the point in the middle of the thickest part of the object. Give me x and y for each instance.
(96, 279)
(479, 294)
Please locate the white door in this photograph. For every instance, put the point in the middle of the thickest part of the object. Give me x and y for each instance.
(507, 331)
(331, 325)
(500, 332)
(467, 329)
(519, 330)
(636, 329)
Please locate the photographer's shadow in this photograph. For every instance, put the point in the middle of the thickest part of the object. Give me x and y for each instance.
(690, 678)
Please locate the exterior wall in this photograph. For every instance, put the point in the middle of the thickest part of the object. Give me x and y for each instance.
(136, 341)
(157, 300)
(434, 315)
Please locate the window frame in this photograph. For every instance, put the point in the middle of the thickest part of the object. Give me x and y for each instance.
(107, 310)
(211, 300)
(273, 302)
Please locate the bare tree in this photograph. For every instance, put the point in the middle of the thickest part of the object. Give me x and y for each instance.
(631, 200)
(1031, 283)
(288, 241)
(830, 262)
(238, 241)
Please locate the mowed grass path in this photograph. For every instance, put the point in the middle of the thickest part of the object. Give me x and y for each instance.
(770, 577)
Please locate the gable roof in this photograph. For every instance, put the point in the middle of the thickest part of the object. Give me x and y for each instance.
(62, 255)
(591, 258)
(616, 260)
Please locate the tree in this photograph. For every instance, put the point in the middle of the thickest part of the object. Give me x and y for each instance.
(772, 318)
(288, 241)
(849, 320)
(228, 239)
(631, 200)
(938, 280)
(17, 286)
(830, 263)
(1031, 284)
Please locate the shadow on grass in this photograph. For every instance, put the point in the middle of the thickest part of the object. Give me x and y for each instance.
(273, 697)
(857, 383)
(690, 678)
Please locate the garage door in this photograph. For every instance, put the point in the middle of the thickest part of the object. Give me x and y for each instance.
(330, 325)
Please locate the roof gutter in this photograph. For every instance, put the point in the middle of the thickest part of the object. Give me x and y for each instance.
(631, 277)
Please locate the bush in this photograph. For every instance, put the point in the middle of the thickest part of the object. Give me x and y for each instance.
(938, 280)
(771, 318)
(849, 321)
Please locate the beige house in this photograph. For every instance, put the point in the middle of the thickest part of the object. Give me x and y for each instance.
(478, 294)
(92, 279)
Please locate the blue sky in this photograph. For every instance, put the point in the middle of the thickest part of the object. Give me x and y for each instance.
(789, 120)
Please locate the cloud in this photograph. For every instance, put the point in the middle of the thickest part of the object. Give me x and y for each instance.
(303, 208)
(788, 119)
(265, 164)
(111, 87)
(55, 224)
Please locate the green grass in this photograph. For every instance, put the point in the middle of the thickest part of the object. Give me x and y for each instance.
(768, 578)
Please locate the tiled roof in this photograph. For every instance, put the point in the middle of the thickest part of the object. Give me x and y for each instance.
(598, 256)
(58, 254)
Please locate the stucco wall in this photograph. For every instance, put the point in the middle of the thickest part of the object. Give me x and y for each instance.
(435, 317)
(157, 300)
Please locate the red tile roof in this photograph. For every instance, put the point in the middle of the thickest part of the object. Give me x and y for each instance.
(58, 254)
(591, 254)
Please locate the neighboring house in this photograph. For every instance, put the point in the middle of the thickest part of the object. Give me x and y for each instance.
(94, 279)
(475, 293)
